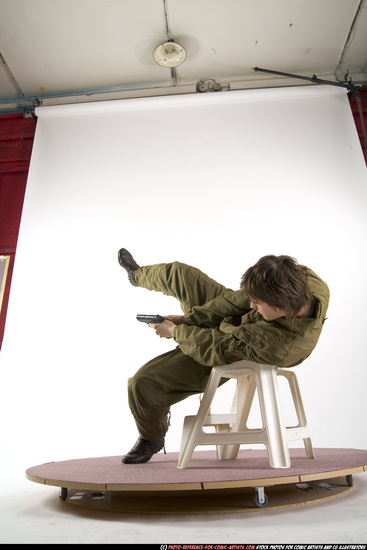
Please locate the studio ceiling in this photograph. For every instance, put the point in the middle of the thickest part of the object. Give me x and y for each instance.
(66, 51)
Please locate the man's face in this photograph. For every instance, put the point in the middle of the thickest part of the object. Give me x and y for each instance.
(268, 312)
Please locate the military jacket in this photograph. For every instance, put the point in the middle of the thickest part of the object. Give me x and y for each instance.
(226, 330)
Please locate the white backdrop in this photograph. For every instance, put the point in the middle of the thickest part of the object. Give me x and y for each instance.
(213, 180)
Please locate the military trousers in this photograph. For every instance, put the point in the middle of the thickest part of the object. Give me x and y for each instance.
(173, 376)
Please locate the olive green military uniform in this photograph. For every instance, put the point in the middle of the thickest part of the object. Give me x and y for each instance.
(220, 327)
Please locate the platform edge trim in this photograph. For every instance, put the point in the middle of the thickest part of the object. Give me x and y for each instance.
(335, 473)
(195, 486)
(250, 482)
(36, 479)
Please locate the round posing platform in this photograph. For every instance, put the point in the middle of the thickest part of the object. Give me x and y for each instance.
(207, 485)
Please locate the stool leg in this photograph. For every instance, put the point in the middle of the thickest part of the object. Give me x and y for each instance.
(241, 405)
(308, 447)
(298, 404)
(267, 385)
(194, 424)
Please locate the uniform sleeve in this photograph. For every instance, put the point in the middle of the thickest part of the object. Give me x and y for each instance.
(211, 314)
(211, 347)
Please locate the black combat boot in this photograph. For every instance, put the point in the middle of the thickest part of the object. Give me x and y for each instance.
(126, 261)
(143, 451)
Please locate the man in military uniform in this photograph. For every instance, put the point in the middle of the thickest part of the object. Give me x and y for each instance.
(275, 318)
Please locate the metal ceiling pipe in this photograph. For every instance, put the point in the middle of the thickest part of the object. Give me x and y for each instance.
(346, 45)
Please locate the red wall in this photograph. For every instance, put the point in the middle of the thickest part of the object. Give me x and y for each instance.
(361, 123)
(16, 141)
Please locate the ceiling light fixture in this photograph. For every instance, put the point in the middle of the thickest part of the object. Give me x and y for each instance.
(169, 54)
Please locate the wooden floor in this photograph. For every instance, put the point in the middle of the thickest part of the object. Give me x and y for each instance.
(206, 485)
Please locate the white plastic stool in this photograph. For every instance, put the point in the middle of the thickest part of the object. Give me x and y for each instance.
(231, 429)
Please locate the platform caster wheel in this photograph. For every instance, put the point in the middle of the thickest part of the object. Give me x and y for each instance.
(260, 498)
(63, 493)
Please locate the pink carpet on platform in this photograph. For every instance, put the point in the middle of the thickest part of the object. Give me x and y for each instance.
(203, 467)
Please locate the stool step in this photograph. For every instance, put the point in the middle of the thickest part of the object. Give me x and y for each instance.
(219, 419)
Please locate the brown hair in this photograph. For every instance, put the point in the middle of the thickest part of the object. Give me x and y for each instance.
(279, 282)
